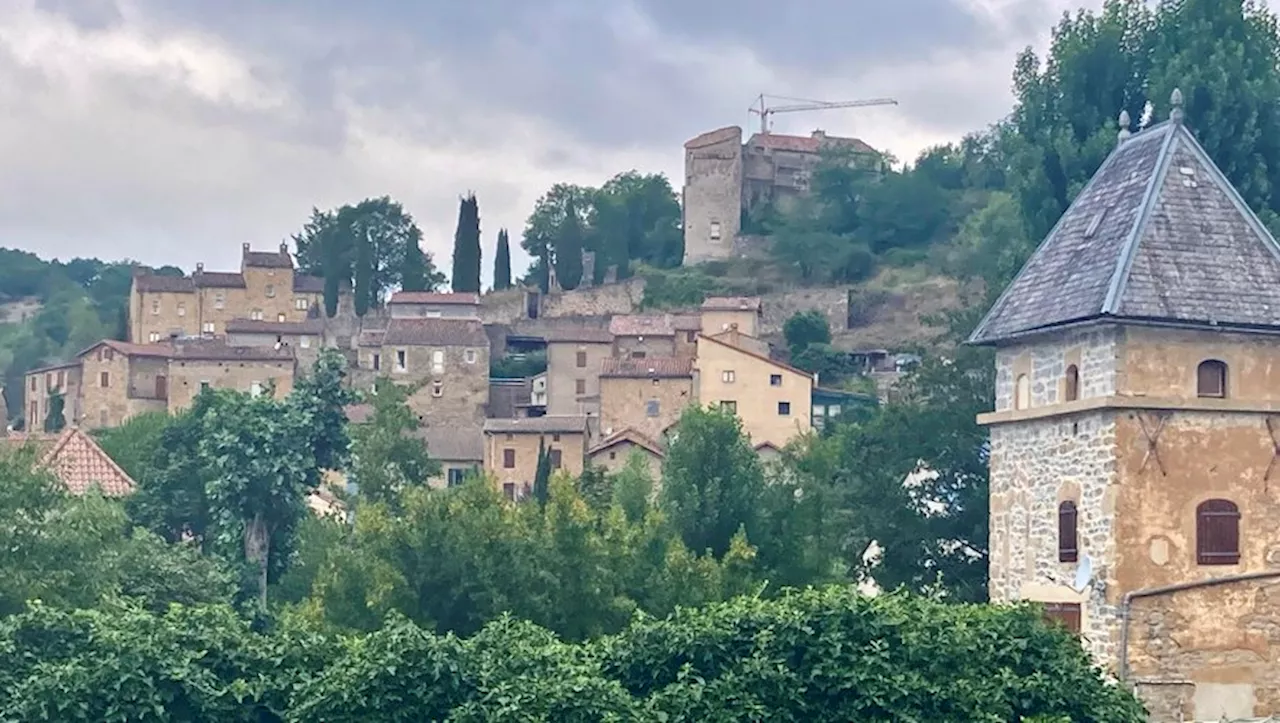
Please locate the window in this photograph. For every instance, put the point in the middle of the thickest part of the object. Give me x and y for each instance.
(1022, 392)
(304, 342)
(62, 379)
(554, 457)
(1217, 533)
(33, 384)
(153, 337)
(728, 376)
(691, 336)
(1064, 614)
(775, 380)
(208, 327)
(256, 314)
(455, 476)
(582, 360)
(730, 407)
(400, 360)
(108, 353)
(219, 300)
(435, 314)
(204, 384)
(182, 309)
(579, 386)
(509, 459)
(715, 230)
(271, 291)
(255, 389)
(651, 408)
(281, 317)
(470, 356)
(437, 389)
(377, 362)
(784, 409)
(1068, 538)
(437, 361)
(637, 355)
(162, 387)
(833, 410)
(302, 305)
(48, 382)
(1211, 379)
(155, 306)
(555, 438)
(509, 490)
(1071, 390)
(511, 437)
(34, 414)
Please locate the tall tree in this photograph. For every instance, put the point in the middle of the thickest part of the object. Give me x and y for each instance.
(466, 246)
(502, 262)
(55, 420)
(542, 475)
(413, 275)
(363, 288)
(569, 247)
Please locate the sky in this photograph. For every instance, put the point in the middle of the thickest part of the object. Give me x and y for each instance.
(171, 131)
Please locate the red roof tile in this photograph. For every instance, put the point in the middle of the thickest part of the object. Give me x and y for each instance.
(628, 435)
(79, 463)
(710, 138)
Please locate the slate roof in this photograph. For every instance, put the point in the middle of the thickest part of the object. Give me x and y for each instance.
(252, 326)
(267, 259)
(453, 444)
(1158, 235)
(434, 332)
(305, 284)
(202, 279)
(77, 461)
(648, 368)
(218, 279)
(550, 424)
(155, 283)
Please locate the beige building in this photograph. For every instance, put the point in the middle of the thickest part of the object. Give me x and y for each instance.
(448, 357)
(511, 449)
(644, 395)
(772, 399)
(574, 360)
(42, 383)
(723, 313)
(735, 338)
(612, 453)
(1134, 441)
(265, 289)
(458, 450)
(636, 336)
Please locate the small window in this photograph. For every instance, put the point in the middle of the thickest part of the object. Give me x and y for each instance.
(182, 309)
(580, 386)
(581, 360)
(509, 458)
(207, 327)
(728, 376)
(509, 490)
(219, 300)
(62, 379)
(256, 314)
(108, 353)
(204, 384)
(435, 314)
(1022, 392)
(153, 337)
(730, 407)
(775, 380)
(401, 361)
(281, 317)
(691, 336)
(437, 361)
(1217, 533)
(1071, 387)
(637, 355)
(554, 457)
(48, 382)
(377, 362)
(470, 356)
(437, 389)
(1068, 538)
(715, 230)
(510, 437)
(455, 476)
(271, 291)
(33, 384)
(104, 379)
(1211, 379)
(651, 408)
(613, 455)
(784, 409)
(1065, 614)
(155, 306)
(302, 305)
(34, 413)
(555, 438)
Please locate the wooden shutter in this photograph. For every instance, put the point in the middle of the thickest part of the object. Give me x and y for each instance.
(1065, 614)
(1217, 533)
(508, 458)
(1211, 379)
(1068, 537)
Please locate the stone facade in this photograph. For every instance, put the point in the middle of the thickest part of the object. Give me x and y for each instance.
(712, 194)
(644, 395)
(613, 454)
(448, 358)
(40, 385)
(573, 372)
(511, 449)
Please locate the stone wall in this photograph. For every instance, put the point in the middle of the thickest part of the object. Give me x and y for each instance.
(833, 302)
(510, 306)
(712, 194)
(1095, 352)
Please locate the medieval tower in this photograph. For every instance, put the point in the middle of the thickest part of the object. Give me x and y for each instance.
(1135, 443)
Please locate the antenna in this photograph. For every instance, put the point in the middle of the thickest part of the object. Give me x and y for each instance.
(1084, 574)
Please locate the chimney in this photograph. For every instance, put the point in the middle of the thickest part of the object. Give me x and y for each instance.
(245, 247)
(819, 134)
(199, 267)
(284, 247)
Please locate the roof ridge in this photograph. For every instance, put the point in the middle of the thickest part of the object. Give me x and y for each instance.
(1124, 262)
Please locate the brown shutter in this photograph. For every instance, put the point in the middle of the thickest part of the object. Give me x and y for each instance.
(1065, 614)
(1068, 537)
(1217, 533)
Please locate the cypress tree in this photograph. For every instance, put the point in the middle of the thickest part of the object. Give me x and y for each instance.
(502, 263)
(542, 477)
(331, 267)
(55, 421)
(569, 249)
(413, 275)
(364, 273)
(466, 247)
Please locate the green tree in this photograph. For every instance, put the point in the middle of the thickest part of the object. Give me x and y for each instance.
(568, 248)
(466, 246)
(502, 262)
(363, 290)
(804, 328)
(389, 455)
(633, 487)
(542, 474)
(542, 229)
(413, 275)
(55, 420)
(135, 444)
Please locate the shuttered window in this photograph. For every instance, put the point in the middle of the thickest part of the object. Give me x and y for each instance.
(1064, 614)
(1217, 533)
(1068, 538)
(1211, 379)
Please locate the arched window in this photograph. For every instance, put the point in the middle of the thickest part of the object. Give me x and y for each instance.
(1217, 533)
(1071, 392)
(1068, 537)
(1211, 379)
(1022, 392)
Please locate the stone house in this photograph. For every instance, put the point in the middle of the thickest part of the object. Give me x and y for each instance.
(722, 313)
(306, 338)
(773, 400)
(1134, 436)
(75, 460)
(42, 383)
(687, 327)
(511, 449)
(433, 305)
(448, 357)
(266, 288)
(733, 337)
(612, 453)
(636, 336)
(574, 360)
(645, 395)
(459, 451)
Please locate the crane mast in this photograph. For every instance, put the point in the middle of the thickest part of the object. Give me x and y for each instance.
(764, 110)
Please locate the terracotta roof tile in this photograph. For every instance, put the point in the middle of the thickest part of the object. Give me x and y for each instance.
(806, 144)
(79, 463)
(648, 368)
(710, 138)
(453, 444)
(432, 297)
(578, 336)
(435, 332)
(686, 322)
(642, 325)
(129, 349)
(628, 435)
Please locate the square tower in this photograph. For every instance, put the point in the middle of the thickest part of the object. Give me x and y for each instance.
(1135, 444)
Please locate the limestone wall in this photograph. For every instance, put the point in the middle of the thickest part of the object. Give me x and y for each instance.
(1095, 352)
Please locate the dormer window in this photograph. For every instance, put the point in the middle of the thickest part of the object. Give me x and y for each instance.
(1211, 379)
(1071, 387)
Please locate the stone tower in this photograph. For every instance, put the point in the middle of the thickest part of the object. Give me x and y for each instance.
(712, 195)
(1135, 458)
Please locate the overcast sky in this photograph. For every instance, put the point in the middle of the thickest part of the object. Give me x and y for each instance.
(170, 131)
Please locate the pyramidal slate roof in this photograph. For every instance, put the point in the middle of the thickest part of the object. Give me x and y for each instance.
(1159, 235)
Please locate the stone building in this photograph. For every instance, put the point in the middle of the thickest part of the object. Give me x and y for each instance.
(574, 360)
(42, 383)
(612, 453)
(267, 288)
(433, 305)
(645, 395)
(725, 180)
(1134, 442)
(449, 358)
(773, 400)
(511, 449)
(636, 336)
(722, 313)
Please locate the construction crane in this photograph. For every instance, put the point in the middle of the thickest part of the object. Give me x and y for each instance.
(764, 111)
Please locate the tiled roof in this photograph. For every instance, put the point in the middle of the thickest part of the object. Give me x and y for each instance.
(732, 303)
(432, 297)
(128, 349)
(306, 284)
(578, 336)
(686, 322)
(806, 144)
(371, 338)
(537, 425)
(435, 332)
(251, 326)
(53, 367)
(217, 350)
(1158, 234)
(648, 368)
(642, 325)
(78, 462)
(454, 444)
(755, 355)
(628, 435)
(154, 283)
(218, 279)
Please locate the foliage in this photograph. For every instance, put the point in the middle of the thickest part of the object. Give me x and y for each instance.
(518, 365)
(466, 246)
(388, 457)
(55, 420)
(414, 273)
(804, 328)
(633, 487)
(568, 248)
(502, 262)
(363, 290)
(135, 444)
(542, 474)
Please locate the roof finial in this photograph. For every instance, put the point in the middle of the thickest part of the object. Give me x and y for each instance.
(1124, 125)
(1175, 100)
